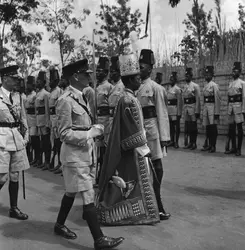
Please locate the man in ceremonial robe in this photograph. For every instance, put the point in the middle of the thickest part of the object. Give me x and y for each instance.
(156, 122)
(211, 109)
(126, 195)
(236, 109)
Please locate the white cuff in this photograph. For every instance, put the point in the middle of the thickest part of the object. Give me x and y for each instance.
(143, 150)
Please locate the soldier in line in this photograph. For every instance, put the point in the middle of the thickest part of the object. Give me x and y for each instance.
(77, 134)
(211, 109)
(103, 92)
(55, 93)
(174, 95)
(13, 138)
(192, 107)
(156, 122)
(236, 109)
(118, 87)
(158, 78)
(43, 118)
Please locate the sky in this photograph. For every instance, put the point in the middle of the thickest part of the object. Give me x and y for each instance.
(167, 27)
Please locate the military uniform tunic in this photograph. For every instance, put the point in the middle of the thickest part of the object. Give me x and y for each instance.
(42, 111)
(192, 105)
(236, 101)
(89, 94)
(76, 151)
(30, 113)
(12, 144)
(212, 102)
(114, 98)
(151, 95)
(104, 90)
(174, 95)
(53, 97)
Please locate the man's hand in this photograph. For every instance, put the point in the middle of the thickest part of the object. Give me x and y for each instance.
(96, 131)
(148, 155)
(164, 144)
(216, 117)
(197, 116)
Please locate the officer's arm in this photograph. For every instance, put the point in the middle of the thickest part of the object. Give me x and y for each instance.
(162, 113)
(179, 102)
(64, 124)
(217, 97)
(243, 97)
(24, 120)
(198, 101)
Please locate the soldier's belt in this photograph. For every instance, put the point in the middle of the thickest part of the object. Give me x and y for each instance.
(235, 98)
(9, 124)
(209, 99)
(190, 100)
(40, 110)
(103, 111)
(112, 109)
(52, 110)
(30, 111)
(149, 112)
(172, 102)
(82, 129)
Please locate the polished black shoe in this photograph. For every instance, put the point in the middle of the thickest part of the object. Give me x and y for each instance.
(232, 151)
(107, 242)
(238, 153)
(55, 168)
(33, 163)
(58, 171)
(170, 144)
(176, 145)
(212, 150)
(194, 146)
(45, 167)
(204, 149)
(188, 146)
(17, 214)
(164, 216)
(64, 231)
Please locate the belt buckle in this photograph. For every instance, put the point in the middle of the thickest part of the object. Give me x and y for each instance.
(232, 99)
(168, 102)
(187, 101)
(206, 99)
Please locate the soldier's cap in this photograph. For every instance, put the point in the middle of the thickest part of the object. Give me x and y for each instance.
(30, 80)
(53, 75)
(237, 66)
(103, 63)
(42, 76)
(209, 69)
(80, 66)
(10, 71)
(115, 63)
(189, 71)
(147, 57)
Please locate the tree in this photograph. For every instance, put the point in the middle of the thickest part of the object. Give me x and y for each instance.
(116, 23)
(25, 49)
(12, 11)
(57, 17)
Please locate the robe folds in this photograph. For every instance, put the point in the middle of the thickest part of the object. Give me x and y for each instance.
(133, 202)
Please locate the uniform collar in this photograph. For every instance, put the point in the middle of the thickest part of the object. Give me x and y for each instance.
(5, 91)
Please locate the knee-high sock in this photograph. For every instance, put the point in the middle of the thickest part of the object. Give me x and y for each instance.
(239, 136)
(172, 130)
(233, 135)
(177, 131)
(35, 141)
(47, 147)
(13, 193)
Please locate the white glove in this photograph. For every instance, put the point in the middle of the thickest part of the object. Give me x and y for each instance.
(143, 150)
(95, 131)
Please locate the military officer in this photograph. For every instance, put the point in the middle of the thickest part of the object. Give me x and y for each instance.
(236, 109)
(211, 109)
(43, 118)
(77, 133)
(156, 121)
(55, 93)
(13, 138)
(103, 91)
(158, 78)
(192, 107)
(174, 95)
(118, 87)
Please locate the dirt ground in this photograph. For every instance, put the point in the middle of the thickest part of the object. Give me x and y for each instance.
(205, 193)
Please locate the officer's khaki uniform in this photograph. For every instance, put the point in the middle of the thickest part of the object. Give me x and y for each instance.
(31, 114)
(156, 122)
(13, 156)
(42, 111)
(174, 95)
(236, 101)
(114, 98)
(192, 105)
(89, 94)
(53, 97)
(103, 111)
(212, 102)
(76, 151)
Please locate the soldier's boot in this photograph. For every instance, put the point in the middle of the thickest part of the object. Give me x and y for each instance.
(28, 152)
(239, 139)
(47, 151)
(194, 136)
(233, 139)
(227, 144)
(213, 138)
(177, 133)
(35, 141)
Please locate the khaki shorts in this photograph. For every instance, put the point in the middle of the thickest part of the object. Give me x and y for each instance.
(13, 161)
(155, 148)
(33, 131)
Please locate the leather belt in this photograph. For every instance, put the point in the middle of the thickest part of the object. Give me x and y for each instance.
(112, 110)
(190, 100)
(82, 129)
(52, 110)
(9, 124)
(30, 111)
(149, 112)
(209, 99)
(103, 111)
(40, 110)
(235, 98)
(172, 102)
